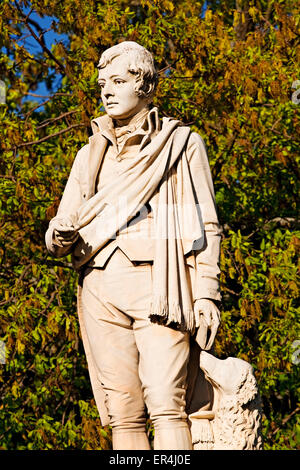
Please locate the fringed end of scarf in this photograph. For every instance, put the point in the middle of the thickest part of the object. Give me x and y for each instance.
(172, 315)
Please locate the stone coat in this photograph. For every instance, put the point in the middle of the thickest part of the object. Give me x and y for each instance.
(82, 184)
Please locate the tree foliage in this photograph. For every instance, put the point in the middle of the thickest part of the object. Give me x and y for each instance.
(227, 70)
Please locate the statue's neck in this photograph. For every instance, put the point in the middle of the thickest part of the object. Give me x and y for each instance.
(133, 120)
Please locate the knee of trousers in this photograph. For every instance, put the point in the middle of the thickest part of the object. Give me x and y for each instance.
(126, 411)
(166, 405)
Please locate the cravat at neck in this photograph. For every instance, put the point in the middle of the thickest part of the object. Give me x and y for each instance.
(136, 122)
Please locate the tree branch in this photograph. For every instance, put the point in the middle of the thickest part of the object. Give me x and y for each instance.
(46, 96)
(285, 420)
(47, 137)
(60, 264)
(39, 39)
(51, 120)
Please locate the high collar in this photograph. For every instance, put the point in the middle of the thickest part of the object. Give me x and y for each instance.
(150, 124)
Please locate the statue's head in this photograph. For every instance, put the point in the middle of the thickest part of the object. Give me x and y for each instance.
(127, 78)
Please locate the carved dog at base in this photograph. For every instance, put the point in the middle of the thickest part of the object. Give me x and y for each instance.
(233, 421)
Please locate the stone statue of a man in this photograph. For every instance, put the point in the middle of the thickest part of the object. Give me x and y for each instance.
(138, 215)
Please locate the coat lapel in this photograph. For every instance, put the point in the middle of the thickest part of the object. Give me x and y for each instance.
(97, 146)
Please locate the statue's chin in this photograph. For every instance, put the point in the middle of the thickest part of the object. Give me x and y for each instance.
(114, 115)
(114, 111)
(119, 117)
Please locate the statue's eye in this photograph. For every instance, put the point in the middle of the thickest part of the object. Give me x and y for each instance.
(118, 81)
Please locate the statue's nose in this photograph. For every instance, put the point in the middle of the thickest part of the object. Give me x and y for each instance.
(107, 90)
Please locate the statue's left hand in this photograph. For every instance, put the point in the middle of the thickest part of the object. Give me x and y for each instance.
(209, 320)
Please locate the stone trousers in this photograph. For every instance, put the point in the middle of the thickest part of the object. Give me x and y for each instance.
(142, 365)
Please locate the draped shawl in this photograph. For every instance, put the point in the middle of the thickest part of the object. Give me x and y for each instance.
(161, 166)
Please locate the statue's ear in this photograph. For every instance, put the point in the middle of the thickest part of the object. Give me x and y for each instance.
(149, 88)
(248, 389)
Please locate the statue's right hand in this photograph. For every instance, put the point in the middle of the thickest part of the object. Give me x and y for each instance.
(65, 232)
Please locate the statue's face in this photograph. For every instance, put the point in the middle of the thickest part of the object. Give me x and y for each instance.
(118, 90)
